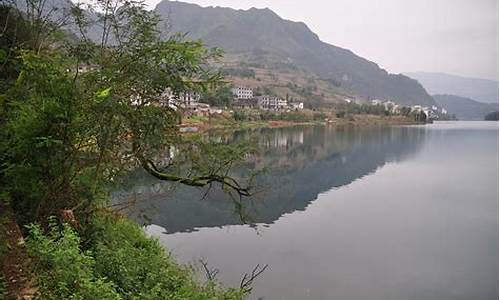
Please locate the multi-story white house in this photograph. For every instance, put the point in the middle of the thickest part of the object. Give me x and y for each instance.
(242, 92)
(182, 99)
(296, 105)
(271, 102)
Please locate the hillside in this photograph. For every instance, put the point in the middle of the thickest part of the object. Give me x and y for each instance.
(286, 57)
(260, 36)
(439, 83)
(465, 108)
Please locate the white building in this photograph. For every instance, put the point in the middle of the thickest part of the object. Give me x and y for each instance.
(296, 105)
(242, 92)
(444, 111)
(183, 99)
(377, 102)
(270, 102)
(389, 105)
(416, 108)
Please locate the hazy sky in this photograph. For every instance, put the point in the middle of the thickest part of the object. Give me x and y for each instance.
(452, 36)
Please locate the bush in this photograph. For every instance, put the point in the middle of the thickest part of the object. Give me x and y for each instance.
(140, 267)
(62, 270)
(239, 115)
(295, 116)
(319, 116)
(118, 262)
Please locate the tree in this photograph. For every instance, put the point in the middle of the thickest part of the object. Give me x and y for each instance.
(67, 134)
(221, 96)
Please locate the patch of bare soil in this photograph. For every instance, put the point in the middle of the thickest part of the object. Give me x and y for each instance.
(14, 259)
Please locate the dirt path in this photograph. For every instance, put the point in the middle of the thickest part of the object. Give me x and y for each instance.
(13, 258)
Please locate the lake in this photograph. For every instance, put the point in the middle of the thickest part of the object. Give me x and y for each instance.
(402, 212)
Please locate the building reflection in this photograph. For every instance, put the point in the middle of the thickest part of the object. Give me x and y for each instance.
(301, 162)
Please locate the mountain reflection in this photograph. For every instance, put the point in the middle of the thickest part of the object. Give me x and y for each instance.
(301, 163)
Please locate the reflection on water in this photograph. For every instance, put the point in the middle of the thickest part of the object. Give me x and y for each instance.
(400, 213)
(300, 163)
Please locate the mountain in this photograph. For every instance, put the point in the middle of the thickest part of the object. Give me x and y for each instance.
(288, 58)
(482, 90)
(260, 36)
(464, 108)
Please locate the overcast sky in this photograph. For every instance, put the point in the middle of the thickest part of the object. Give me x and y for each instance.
(452, 36)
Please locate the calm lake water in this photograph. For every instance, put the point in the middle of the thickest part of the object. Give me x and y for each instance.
(405, 212)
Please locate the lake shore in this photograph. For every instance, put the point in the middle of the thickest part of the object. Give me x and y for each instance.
(202, 125)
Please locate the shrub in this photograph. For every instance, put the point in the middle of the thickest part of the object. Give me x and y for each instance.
(319, 116)
(62, 270)
(295, 116)
(141, 269)
(117, 261)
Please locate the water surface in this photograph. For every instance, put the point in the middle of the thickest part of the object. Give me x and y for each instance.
(407, 212)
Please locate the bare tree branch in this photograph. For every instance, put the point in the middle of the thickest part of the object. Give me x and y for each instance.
(247, 280)
(211, 274)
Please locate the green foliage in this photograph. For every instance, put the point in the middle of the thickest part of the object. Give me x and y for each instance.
(221, 96)
(140, 268)
(354, 108)
(317, 115)
(267, 115)
(118, 262)
(62, 270)
(65, 134)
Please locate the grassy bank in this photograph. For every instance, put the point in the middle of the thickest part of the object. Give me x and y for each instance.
(112, 258)
(255, 119)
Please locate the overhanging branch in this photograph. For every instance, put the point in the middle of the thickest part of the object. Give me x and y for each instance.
(198, 181)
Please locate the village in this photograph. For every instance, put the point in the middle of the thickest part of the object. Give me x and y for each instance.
(243, 98)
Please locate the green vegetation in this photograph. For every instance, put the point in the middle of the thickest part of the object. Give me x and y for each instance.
(219, 97)
(68, 133)
(117, 262)
(266, 115)
(354, 108)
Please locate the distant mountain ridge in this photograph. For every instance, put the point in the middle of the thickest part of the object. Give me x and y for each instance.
(464, 108)
(482, 90)
(260, 34)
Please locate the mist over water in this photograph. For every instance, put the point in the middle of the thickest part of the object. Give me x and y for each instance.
(406, 212)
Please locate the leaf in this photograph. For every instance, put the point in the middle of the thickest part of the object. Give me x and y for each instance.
(104, 93)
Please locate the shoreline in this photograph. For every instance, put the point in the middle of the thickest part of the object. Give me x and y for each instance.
(355, 120)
